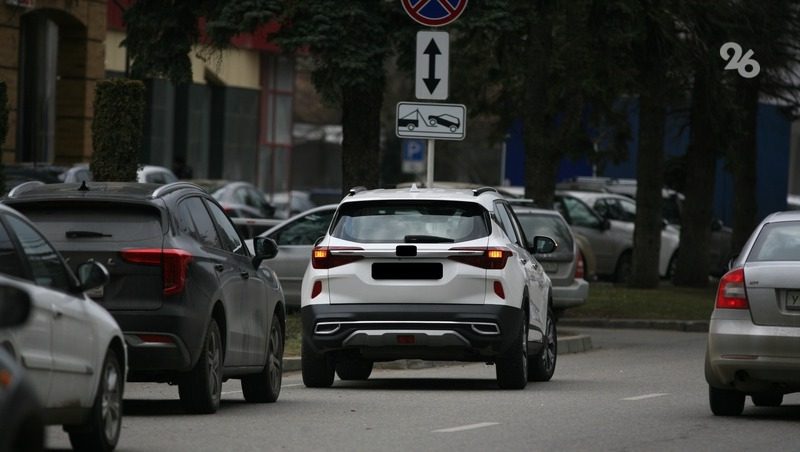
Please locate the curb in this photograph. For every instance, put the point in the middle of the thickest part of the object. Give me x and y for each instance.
(567, 343)
(689, 326)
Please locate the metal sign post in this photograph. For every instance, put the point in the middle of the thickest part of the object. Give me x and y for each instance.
(429, 174)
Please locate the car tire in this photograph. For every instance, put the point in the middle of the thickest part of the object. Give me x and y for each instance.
(725, 402)
(512, 366)
(265, 386)
(353, 369)
(622, 274)
(201, 390)
(104, 425)
(317, 369)
(542, 366)
(767, 399)
(29, 435)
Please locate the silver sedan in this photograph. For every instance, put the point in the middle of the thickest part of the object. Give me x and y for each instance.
(754, 335)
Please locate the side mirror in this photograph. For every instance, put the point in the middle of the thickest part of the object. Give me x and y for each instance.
(264, 248)
(543, 245)
(92, 275)
(15, 306)
(604, 224)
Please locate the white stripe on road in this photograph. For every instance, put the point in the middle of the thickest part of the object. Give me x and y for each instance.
(465, 427)
(230, 392)
(293, 385)
(647, 396)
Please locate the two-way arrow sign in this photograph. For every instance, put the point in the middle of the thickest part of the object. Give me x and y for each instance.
(433, 58)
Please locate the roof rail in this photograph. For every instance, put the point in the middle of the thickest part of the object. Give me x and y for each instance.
(171, 187)
(482, 190)
(23, 187)
(355, 190)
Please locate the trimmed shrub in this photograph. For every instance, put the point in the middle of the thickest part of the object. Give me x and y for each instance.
(117, 129)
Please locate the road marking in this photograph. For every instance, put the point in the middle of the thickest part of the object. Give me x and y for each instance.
(230, 392)
(647, 396)
(293, 385)
(465, 427)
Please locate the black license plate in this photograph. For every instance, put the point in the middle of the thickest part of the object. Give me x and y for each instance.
(418, 270)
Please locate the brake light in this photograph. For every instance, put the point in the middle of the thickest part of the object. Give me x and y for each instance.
(579, 270)
(325, 257)
(490, 258)
(731, 293)
(316, 289)
(174, 265)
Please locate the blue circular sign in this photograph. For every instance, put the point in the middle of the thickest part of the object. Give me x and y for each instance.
(434, 13)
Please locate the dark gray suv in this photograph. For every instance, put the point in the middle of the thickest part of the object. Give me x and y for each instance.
(195, 306)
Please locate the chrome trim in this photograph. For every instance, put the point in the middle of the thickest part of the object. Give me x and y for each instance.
(169, 188)
(386, 338)
(472, 325)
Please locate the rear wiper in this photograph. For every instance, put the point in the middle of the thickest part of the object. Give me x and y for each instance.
(85, 234)
(426, 239)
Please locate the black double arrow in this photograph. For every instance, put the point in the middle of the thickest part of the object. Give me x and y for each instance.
(431, 81)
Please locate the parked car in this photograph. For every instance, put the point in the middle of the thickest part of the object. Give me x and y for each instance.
(239, 199)
(22, 426)
(71, 348)
(196, 307)
(720, 251)
(754, 333)
(427, 274)
(296, 238)
(153, 174)
(564, 265)
(611, 239)
(289, 204)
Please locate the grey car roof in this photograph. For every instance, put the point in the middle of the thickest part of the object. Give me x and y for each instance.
(96, 190)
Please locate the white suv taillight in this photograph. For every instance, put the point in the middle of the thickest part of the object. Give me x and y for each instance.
(579, 270)
(174, 265)
(731, 293)
(483, 257)
(325, 257)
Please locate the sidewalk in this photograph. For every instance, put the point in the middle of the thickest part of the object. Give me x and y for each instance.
(568, 342)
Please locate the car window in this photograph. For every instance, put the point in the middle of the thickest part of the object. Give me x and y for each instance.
(193, 218)
(305, 230)
(617, 209)
(548, 226)
(46, 267)
(410, 222)
(230, 238)
(9, 259)
(506, 223)
(240, 195)
(579, 214)
(601, 207)
(155, 178)
(777, 242)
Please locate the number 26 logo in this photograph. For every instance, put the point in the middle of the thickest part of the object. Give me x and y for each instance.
(746, 65)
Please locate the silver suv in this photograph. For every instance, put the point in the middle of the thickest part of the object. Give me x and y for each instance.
(437, 274)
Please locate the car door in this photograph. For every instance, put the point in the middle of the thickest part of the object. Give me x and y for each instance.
(607, 243)
(295, 241)
(73, 346)
(30, 344)
(252, 316)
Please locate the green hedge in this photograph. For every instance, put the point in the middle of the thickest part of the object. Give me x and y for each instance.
(117, 129)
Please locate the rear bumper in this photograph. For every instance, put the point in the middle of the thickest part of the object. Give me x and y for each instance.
(384, 332)
(572, 295)
(751, 357)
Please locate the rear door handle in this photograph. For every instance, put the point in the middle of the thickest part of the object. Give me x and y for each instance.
(245, 275)
(219, 267)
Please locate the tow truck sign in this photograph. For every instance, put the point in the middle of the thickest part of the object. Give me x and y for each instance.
(435, 121)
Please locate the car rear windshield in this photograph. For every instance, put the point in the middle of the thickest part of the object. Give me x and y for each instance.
(777, 242)
(91, 223)
(411, 222)
(548, 226)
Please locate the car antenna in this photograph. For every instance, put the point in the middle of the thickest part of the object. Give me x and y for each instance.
(83, 186)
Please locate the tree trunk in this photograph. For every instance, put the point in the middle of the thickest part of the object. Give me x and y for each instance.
(693, 257)
(743, 162)
(650, 177)
(361, 125)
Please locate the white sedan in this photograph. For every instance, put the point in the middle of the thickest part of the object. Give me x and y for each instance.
(71, 348)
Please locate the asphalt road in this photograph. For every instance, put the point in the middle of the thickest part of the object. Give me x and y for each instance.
(638, 390)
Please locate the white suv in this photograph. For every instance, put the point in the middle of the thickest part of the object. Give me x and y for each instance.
(438, 274)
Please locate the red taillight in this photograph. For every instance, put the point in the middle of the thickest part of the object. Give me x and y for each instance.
(498, 289)
(579, 270)
(174, 265)
(324, 257)
(316, 289)
(731, 293)
(155, 338)
(490, 258)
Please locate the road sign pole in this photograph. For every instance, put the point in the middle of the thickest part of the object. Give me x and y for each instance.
(429, 176)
